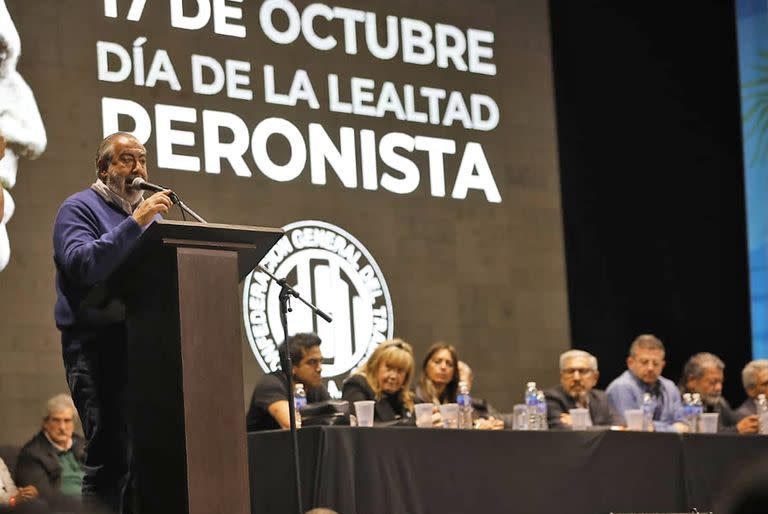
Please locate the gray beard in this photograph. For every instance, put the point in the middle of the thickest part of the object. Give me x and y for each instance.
(116, 184)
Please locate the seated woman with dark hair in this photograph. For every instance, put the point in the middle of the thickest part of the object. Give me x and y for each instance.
(386, 379)
(439, 380)
(439, 383)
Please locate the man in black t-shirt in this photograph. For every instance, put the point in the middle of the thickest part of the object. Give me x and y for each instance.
(269, 403)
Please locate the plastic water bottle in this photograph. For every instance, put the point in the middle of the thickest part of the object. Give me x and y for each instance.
(299, 401)
(465, 406)
(762, 413)
(649, 405)
(541, 406)
(532, 404)
(698, 410)
(689, 412)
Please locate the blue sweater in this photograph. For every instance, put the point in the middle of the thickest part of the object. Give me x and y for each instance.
(91, 238)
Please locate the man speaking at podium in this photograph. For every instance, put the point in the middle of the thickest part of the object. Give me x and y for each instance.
(94, 231)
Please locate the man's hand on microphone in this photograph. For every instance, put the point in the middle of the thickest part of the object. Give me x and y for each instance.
(158, 203)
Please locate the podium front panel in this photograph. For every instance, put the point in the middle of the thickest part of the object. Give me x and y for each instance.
(217, 464)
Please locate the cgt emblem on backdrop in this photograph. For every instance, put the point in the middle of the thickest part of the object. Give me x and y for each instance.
(332, 269)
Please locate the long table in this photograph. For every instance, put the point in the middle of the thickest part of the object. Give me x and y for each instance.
(435, 471)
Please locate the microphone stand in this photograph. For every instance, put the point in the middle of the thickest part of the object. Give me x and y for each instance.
(175, 199)
(286, 292)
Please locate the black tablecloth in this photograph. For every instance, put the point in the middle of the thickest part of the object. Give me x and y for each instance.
(425, 471)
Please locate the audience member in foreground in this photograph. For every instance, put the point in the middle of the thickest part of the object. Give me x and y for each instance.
(483, 413)
(754, 376)
(645, 363)
(19, 499)
(439, 380)
(269, 403)
(703, 374)
(52, 461)
(578, 377)
(386, 379)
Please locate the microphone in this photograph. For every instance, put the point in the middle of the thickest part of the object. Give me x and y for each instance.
(140, 183)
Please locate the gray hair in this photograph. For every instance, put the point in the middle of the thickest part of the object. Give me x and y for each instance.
(698, 364)
(646, 342)
(572, 354)
(749, 373)
(59, 403)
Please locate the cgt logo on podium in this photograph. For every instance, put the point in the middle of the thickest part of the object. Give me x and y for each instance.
(333, 270)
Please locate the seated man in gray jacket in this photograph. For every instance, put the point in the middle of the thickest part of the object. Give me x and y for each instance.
(578, 376)
(754, 376)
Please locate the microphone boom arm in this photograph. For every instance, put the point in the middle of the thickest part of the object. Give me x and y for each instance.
(140, 183)
(189, 211)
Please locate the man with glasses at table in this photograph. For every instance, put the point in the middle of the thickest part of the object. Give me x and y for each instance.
(645, 363)
(578, 377)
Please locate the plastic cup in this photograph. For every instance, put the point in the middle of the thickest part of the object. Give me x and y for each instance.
(450, 414)
(364, 412)
(520, 417)
(763, 423)
(708, 423)
(579, 419)
(634, 419)
(424, 414)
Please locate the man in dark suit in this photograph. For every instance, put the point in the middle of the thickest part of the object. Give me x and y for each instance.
(578, 376)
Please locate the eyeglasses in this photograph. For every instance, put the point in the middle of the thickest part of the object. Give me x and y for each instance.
(573, 371)
(650, 362)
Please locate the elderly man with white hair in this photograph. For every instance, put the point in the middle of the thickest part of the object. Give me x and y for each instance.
(754, 376)
(578, 377)
(52, 461)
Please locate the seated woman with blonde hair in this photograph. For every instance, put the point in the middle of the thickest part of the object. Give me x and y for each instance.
(386, 379)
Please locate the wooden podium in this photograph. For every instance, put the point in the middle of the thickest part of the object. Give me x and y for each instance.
(185, 385)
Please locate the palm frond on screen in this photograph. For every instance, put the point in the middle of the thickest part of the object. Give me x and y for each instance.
(754, 100)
